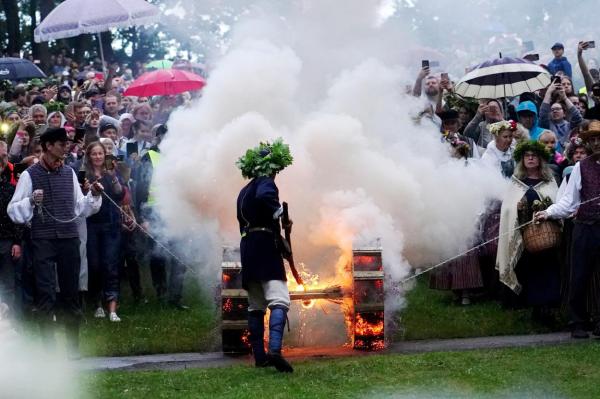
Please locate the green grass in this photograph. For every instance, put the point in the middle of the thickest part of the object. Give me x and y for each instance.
(571, 371)
(154, 327)
(433, 314)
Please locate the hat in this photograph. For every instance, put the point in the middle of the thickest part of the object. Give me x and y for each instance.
(53, 135)
(107, 126)
(531, 145)
(557, 45)
(592, 131)
(448, 115)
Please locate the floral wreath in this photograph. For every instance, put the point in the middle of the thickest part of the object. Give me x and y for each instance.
(531, 145)
(496, 128)
(265, 160)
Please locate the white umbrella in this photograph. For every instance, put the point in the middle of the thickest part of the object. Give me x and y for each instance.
(75, 17)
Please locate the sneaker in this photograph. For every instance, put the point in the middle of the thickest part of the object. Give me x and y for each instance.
(99, 313)
(113, 317)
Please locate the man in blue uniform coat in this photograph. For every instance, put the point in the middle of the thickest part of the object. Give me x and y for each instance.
(263, 273)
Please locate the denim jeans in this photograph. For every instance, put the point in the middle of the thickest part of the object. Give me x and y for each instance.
(103, 253)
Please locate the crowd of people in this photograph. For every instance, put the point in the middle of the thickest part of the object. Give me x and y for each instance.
(76, 164)
(547, 143)
(77, 158)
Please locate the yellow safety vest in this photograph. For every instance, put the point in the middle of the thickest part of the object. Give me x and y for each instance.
(154, 160)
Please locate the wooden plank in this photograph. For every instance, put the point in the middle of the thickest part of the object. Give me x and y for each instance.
(367, 275)
(369, 307)
(234, 293)
(231, 265)
(316, 294)
(234, 324)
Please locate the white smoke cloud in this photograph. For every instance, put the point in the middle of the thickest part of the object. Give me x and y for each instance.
(27, 371)
(330, 83)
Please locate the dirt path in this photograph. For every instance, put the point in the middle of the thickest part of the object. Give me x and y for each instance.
(180, 361)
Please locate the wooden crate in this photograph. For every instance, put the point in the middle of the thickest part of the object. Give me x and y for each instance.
(368, 297)
(234, 305)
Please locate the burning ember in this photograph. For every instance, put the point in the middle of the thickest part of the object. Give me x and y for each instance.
(357, 290)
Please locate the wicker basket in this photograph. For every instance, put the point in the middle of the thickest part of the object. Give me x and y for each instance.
(541, 236)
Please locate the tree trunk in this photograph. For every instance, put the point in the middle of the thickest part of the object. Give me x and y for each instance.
(41, 49)
(11, 11)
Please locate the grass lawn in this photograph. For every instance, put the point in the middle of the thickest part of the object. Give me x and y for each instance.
(435, 314)
(156, 328)
(571, 371)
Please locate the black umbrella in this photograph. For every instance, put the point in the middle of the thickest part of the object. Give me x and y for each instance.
(18, 69)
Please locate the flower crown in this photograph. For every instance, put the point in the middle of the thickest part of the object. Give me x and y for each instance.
(496, 128)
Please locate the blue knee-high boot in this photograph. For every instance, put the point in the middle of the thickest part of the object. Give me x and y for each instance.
(256, 326)
(276, 327)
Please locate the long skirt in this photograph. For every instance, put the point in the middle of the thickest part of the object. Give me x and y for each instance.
(539, 275)
(460, 274)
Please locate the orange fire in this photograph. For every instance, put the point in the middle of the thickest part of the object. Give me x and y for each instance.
(226, 278)
(227, 305)
(246, 338)
(364, 328)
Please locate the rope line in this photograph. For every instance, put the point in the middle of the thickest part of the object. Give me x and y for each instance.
(146, 232)
(442, 263)
(42, 209)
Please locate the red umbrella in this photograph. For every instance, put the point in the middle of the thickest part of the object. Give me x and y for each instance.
(164, 82)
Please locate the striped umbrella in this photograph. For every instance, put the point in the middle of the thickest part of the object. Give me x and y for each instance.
(502, 77)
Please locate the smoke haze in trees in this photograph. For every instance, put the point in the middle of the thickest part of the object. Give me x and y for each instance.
(331, 84)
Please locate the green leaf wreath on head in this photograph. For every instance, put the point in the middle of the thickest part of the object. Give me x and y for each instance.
(54, 106)
(265, 160)
(531, 145)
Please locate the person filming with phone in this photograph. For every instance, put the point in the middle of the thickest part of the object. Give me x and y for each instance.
(554, 111)
(49, 198)
(104, 232)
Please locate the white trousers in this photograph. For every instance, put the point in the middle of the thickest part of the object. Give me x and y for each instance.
(263, 294)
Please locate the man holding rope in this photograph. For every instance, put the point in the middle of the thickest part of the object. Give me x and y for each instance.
(263, 274)
(582, 196)
(48, 197)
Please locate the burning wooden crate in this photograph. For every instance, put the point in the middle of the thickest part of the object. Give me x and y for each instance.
(368, 298)
(367, 295)
(234, 305)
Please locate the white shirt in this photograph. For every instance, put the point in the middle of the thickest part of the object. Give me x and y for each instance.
(570, 200)
(20, 209)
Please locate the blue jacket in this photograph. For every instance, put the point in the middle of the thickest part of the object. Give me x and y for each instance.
(536, 130)
(560, 64)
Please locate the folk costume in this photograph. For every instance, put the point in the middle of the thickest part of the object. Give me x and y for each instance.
(582, 198)
(535, 277)
(54, 237)
(263, 273)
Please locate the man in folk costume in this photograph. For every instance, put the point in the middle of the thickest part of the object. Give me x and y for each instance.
(582, 198)
(263, 273)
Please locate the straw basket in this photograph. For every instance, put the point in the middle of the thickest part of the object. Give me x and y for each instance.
(541, 236)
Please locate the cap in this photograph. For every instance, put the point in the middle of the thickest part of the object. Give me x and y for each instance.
(53, 135)
(557, 45)
(107, 126)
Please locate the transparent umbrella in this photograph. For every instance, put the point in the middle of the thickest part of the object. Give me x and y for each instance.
(75, 17)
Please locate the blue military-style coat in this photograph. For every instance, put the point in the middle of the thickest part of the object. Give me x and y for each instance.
(258, 211)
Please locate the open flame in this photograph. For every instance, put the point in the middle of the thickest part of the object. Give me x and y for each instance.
(364, 328)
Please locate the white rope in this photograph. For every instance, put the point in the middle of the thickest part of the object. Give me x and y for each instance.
(442, 263)
(139, 226)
